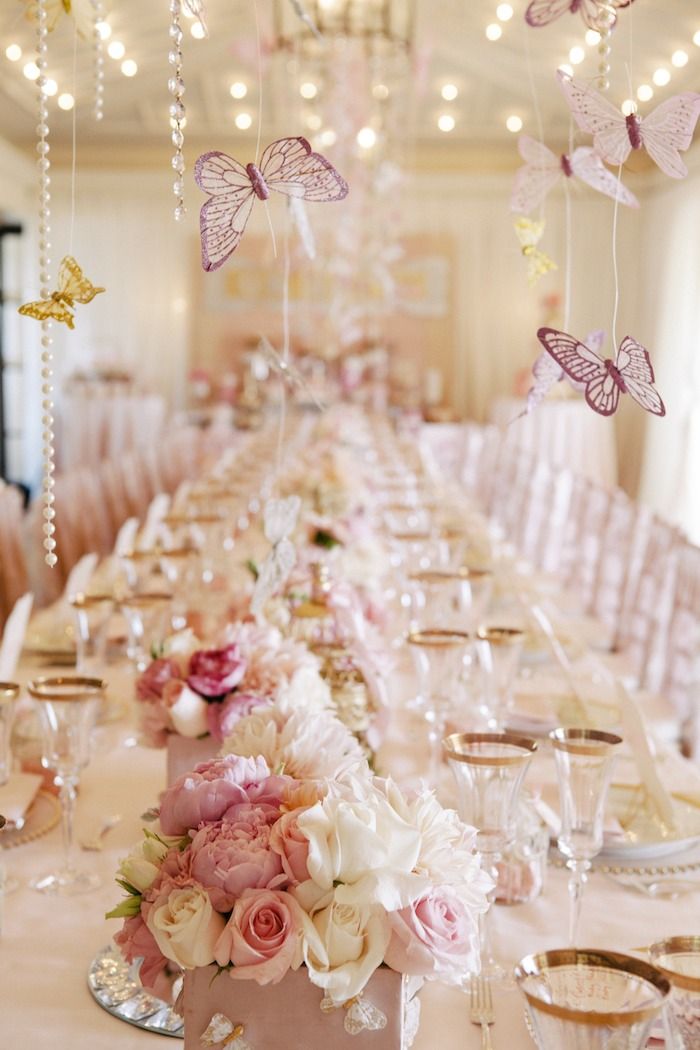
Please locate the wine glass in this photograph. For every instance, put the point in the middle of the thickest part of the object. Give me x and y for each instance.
(498, 650)
(92, 614)
(678, 958)
(9, 691)
(439, 655)
(145, 618)
(440, 596)
(584, 761)
(489, 769)
(67, 707)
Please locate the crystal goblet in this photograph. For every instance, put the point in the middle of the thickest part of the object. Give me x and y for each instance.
(9, 691)
(67, 707)
(438, 656)
(584, 760)
(591, 1000)
(145, 617)
(678, 958)
(498, 650)
(440, 596)
(92, 614)
(489, 769)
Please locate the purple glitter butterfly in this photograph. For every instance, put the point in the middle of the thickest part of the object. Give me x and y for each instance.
(287, 166)
(546, 373)
(543, 170)
(542, 12)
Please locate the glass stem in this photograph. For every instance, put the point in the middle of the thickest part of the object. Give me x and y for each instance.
(436, 734)
(488, 961)
(579, 877)
(67, 797)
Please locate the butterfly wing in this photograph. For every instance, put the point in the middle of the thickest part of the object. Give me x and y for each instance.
(635, 367)
(223, 218)
(290, 166)
(528, 231)
(196, 9)
(603, 394)
(576, 359)
(546, 373)
(48, 310)
(536, 178)
(73, 283)
(541, 12)
(668, 129)
(589, 168)
(538, 264)
(280, 517)
(599, 118)
(274, 571)
(84, 14)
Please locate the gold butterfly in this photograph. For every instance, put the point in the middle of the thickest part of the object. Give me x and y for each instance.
(529, 234)
(81, 10)
(73, 287)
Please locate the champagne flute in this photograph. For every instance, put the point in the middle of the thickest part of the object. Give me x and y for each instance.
(92, 614)
(499, 650)
(439, 656)
(584, 760)
(67, 707)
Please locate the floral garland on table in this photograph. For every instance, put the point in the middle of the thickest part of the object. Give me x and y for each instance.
(261, 872)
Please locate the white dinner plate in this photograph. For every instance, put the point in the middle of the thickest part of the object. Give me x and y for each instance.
(644, 837)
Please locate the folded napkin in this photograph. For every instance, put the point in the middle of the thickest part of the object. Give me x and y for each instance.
(79, 576)
(126, 537)
(17, 795)
(157, 510)
(635, 735)
(13, 636)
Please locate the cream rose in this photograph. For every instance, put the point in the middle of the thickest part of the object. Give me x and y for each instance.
(189, 714)
(142, 865)
(186, 927)
(343, 946)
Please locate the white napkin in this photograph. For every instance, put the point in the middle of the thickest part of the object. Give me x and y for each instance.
(157, 510)
(17, 795)
(126, 536)
(13, 636)
(79, 576)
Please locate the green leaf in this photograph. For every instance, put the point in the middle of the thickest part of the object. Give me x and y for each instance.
(127, 909)
(324, 538)
(128, 888)
(252, 568)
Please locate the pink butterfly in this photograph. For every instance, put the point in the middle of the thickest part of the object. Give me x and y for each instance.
(603, 379)
(543, 169)
(542, 12)
(668, 129)
(546, 373)
(287, 166)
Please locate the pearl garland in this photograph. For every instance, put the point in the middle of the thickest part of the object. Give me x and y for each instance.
(44, 166)
(98, 60)
(606, 20)
(176, 88)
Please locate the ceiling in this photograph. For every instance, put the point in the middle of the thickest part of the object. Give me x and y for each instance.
(450, 46)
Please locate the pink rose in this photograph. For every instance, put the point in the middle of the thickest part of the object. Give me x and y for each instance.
(263, 937)
(215, 789)
(215, 672)
(222, 717)
(156, 676)
(436, 934)
(135, 941)
(230, 857)
(292, 846)
(155, 724)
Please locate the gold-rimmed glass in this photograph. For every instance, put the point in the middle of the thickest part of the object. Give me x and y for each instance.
(92, 614)
(678, 959)
(584, 760)
(9, 691)
(439, 658)
(591, 1000)
(498, 651)
(67, 707)
(145, 615)
(489, 769)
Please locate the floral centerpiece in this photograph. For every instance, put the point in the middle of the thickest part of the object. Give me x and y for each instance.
(255, 873)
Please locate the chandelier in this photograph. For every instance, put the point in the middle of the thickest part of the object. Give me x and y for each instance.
(385, 27)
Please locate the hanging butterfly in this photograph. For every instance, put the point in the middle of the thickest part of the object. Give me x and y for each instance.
(543, 170)
(529, 234)
(541, 12)
(73, 287)
(82, 11)
(301, 12)
(287, 372)
(546, 373)
(287, 166)
(603, 379)
(280, 518)
(360, 1015)
(225, 1034)
(197, 10)
(668, 129)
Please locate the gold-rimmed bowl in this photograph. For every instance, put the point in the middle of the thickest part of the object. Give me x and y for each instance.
(591, 999)
(678, 959)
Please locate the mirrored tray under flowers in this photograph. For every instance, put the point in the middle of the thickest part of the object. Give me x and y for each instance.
(115, 986)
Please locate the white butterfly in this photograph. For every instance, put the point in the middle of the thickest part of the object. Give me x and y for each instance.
(303, 14)
(280, 518)
(81, 10)
(288, 372)
(360, 1015)
(196, 9)
(222, 1032)
(547, 372)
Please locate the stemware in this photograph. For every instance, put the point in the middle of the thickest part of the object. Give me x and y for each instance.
(92, 614)
(591, 1000)
(145, 618)
(584, 760)
(678, 958)
(9, 691)
(498, 650)
(67, 708)
(439, 656)
(440, 596)
(489, 769)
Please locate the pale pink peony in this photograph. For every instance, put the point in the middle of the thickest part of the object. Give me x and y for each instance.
(155, 723)
(232, 856)
(135, 941)
(263, 937)
(222, 717)
(271, 660)
(436, 935)
(151, 683)
(289, 842)
(215, 672)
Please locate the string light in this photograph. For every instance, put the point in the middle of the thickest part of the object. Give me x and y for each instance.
(628, 107)
(514, 124)
(176, 87)
(243, 121)
(446, 122)
(50, 87)
(576, 56)
(104, 29)
(101, 31)
(504, 12)
(592, 37)
(696, 38)
(308, 90)
(66, 101)
(679, 59)
(198, 31)
(366, 138)
(116, 50)
(493, 31)
(129, 67)
(645, 92)
(449, 92)
(661, 77)
(566, 69)
(238, 89)
(380, 92)
(13, 52)
(31, 71)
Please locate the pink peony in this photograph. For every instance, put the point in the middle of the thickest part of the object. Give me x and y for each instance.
(155, 724)
(216, 788)
(135, 941)
(435, 935)
(292, 846)
(233, 856)
(222, 717)
(151, 683)
(263, 937)
(215, 672)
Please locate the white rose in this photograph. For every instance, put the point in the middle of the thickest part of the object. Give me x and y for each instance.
(142, 865)
(305, 690)
(189, 714)
(182, 643)
(343, 946)
(186, 927)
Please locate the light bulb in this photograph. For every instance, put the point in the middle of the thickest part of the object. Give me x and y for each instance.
(566, 69)
(449, 92)
(243, 121)
(13, 52)
(129, 67)
(645, 92)
(576, 56)
(105, 30)
(328, 137)
(198, 31)
(628, 107)
(116, 50)
(593, 37)
(446, 122)
(366, 138)
(493, 31)
(661, 77)
(504, 12)
(679, 59)
(238, 89)
(308, 90)
(50, 87)
(66, 101)
(514, 124)
(31, 71)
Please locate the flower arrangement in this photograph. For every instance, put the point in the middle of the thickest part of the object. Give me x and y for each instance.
(260, 872)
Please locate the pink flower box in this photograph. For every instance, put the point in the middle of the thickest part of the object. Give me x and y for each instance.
(289, 1015)
(185, 752)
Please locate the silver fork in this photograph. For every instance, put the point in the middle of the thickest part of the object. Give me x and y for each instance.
(481, 1009)
(95, 843)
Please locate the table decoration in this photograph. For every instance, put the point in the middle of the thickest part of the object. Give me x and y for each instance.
(678, 959)
(41, 817)
(114, 985)
(13, 636)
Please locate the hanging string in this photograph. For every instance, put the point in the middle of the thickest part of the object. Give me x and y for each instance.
(533, 95)
(568, 257)
(98, 61)
(616, 275)
(74, 140)
(285, 343)
(258, 47)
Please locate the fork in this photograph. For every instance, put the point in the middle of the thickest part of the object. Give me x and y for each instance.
(95, 843)
(481, 1009)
